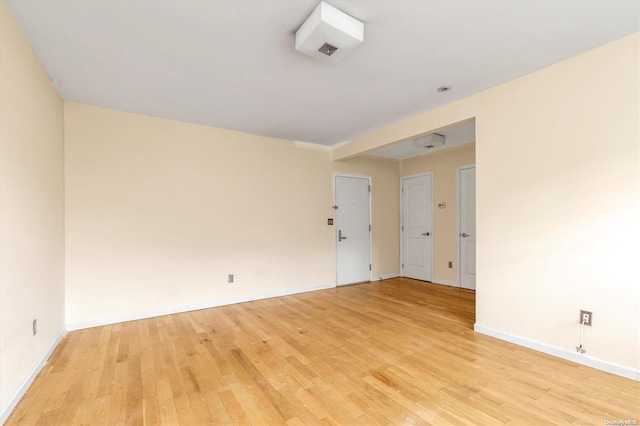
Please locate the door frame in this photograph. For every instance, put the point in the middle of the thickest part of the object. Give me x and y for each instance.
(458, 204)
(432, 224)
(335, 223)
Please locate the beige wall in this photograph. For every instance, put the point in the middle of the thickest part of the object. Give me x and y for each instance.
(444, 165)
(557, 163)
(557, 203)
(159, 212)
(31, 210)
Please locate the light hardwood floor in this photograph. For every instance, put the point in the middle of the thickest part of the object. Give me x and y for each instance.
(390, 352)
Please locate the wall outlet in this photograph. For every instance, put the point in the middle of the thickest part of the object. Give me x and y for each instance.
(586, 317)
(34, 326)
(230, 278)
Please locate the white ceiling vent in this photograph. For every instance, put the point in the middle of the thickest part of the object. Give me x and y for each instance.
(329, 34)
(429, 141)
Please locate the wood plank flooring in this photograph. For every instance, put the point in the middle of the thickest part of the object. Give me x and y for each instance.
(390, 352)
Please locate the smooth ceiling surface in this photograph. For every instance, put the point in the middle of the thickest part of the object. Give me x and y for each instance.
(455, 135)
(232, 64)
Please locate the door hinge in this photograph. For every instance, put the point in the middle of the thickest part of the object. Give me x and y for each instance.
(403, 266)
(403, 227)
(369, 188)
(369, 228)
(402, 190)
(369, 266)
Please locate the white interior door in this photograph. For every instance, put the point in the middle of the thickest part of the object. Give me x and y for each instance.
(417, 227)
(353, 241)
(467, 235)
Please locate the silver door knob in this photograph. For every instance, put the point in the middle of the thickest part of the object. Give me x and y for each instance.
(464, 235)
(426, 233)
(340, 237)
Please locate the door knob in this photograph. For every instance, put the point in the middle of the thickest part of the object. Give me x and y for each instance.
(464, 235)
(426, 233)
(340, 237)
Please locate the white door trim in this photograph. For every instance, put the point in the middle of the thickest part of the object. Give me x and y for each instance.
(458, 203)
(402, 178)
(335, 232)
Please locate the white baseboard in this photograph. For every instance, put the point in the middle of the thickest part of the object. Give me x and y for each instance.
(387, 276)
(589, 361)
(445, 282)
(24, 386)
(194, 307)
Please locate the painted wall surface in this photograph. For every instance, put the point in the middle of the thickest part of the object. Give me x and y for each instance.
(385, 210)
(557, 163)
(443, 164)
(31, 209)
(558, 199)
(159, 212)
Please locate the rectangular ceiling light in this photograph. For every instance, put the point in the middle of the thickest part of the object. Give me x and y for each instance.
(429, 141)
(329, 34)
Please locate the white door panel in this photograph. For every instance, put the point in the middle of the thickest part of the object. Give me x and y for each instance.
(353, 244)
(467, 227)
(417, 227)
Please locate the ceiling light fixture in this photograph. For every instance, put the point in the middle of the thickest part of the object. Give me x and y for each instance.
(429, 141)
(329, 34)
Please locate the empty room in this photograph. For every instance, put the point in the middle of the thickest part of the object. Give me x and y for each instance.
(305, 212)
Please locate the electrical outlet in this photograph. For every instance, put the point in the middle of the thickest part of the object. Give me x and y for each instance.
(34, 326)
(230, 278)
(586, 317)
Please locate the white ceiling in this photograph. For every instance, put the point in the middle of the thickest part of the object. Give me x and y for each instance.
(455, 135)
(232, 64)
